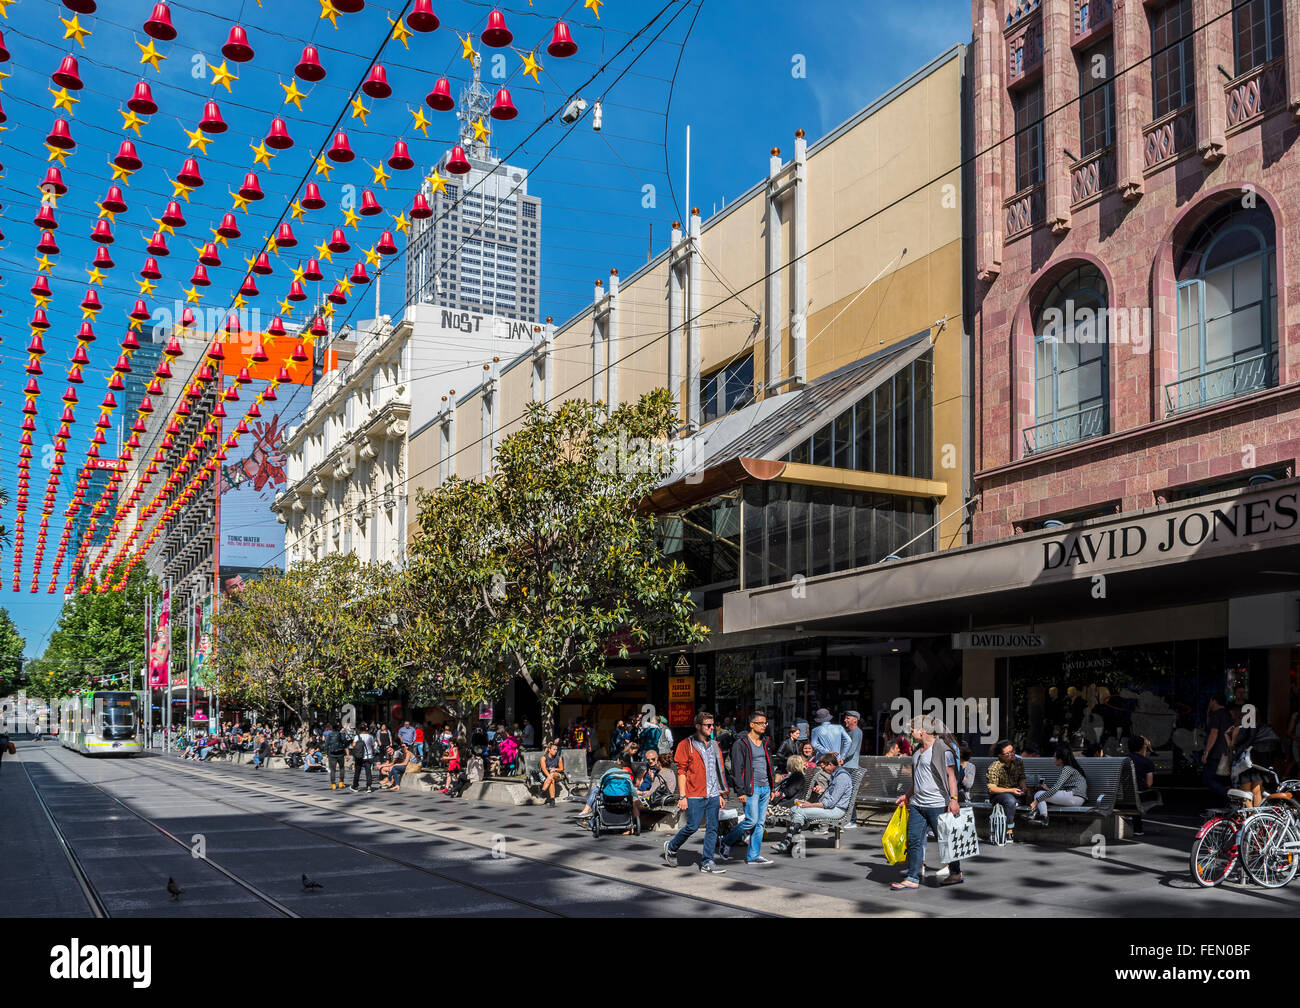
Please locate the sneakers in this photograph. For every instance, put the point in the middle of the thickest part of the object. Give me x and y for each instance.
(355, 790)
(782, 848)
(709, 868)
(670, 855)
(724, 852)
(1011, 837)
(760, 860)
(851, 824)
(550, 802)
(369, 790)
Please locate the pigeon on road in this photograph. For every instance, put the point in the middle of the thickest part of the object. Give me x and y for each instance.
(310, 883)
(174, 889)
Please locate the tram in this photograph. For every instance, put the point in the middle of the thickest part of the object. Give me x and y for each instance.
(103, 723)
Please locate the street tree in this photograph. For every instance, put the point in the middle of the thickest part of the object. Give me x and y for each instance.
(12, 645)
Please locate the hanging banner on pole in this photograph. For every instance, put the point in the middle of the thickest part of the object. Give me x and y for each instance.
(160, 648)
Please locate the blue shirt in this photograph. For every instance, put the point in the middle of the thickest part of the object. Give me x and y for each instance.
(838, 790)
(830, 737)
(406, 734)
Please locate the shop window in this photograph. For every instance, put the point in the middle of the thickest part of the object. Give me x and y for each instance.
(1227, 309)
(1107, 510)
(1257, 33)
(1097, 99)
(1236, 481)
(1028, 103)
(1173, 84)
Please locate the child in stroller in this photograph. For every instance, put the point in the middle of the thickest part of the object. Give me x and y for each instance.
(614, 809)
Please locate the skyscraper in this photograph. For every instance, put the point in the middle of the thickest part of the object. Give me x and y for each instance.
(481, 249)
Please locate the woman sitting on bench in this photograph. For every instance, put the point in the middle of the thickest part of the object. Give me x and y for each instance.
(1070, 789)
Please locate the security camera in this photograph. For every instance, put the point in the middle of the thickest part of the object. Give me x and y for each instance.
(573, 111)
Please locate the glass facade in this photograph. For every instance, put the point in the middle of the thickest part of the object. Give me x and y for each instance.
(1258, 36)
(1173, 83)
(727, 388)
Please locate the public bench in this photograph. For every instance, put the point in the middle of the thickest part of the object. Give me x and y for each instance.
(833, 828)
(886, 779)
(1098, 812)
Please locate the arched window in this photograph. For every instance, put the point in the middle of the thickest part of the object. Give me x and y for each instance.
(1070, 386)
(1227, 308)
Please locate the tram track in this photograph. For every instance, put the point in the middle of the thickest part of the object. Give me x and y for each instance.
(97, 906)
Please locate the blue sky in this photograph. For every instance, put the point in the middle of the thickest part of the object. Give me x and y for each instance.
(734, 85)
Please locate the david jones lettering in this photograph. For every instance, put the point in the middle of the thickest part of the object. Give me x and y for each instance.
(1231, 522)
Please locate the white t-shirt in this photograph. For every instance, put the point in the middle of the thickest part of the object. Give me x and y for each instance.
(924, 790)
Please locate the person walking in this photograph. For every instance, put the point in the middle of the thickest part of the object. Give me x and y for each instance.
(336, 750)
(1215, 756)
(702, 780)
(933, 791)
(828, 736)
(363, 757)
(751, 773)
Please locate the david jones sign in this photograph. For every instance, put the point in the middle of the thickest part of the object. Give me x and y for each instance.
(1229, 523)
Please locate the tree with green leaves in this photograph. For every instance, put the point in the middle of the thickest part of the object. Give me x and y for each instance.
(534, 569)
(12, 645)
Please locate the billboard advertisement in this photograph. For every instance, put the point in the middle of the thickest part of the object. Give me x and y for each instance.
(201, 643)
(250, 537)
(160, 646)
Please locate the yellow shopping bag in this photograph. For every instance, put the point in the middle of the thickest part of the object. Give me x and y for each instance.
(895, 838)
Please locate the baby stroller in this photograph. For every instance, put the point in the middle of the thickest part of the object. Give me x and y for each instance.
(614, 811)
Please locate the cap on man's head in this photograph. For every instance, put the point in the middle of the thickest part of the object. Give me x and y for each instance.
(853, 713)
(822, 715)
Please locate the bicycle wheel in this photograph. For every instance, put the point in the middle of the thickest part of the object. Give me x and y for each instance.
(1214, 852)
(1262, 841)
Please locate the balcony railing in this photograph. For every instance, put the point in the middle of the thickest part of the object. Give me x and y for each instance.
(1256, 94)
(1066, 430)
(1221, 384)
(1092, 175)
(1169, 137)
(1025, 210)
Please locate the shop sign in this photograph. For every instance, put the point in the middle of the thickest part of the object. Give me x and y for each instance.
(681, 713)
(999, 640)
(681, 689)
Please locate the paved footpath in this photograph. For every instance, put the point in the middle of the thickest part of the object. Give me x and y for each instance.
(267, 825)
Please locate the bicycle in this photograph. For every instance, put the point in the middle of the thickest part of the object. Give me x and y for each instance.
(1270, 850)
(1216, 851)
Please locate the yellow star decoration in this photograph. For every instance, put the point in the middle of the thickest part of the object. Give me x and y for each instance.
(381, 176)
(261, 155)
(131, 121)
(345, 285)
(110, 214)
(593, 6)
(181, 189)
(329, 12)
(400, 32)
(297, 274)
(437, 183)
(120, 174)
(3, 75)
(95, 276)
(222, 76)
(350, 219)
(286, 307)
(422, 122)
(164, 228)
(240, 202)
(198, 139)
(323, 252)
(328, 310)
(57, 154)
(248, 264)
(63, 100)
(467, 48)
(72, 30)
(401, 223)
(239, 302)
(323, 167)
(43, 264)
(150, 54)
(42, 301)
(220, 239)
(481, 132)
(292, 94)
(146, 286)
(3, 5)
(296, 210)
(359, 111)
(88, 313)
(531, 67)
(372, 257)
(192, 296)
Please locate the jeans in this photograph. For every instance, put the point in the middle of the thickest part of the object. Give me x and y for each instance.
(257, 759)
(356, 773)
(697, 810)
(755, 814)
(920, 820)
(801, 817)
(418, 749)
(396, 774)
(1065, 798)
(1212, 780)
(1008, 803)
(336, 767)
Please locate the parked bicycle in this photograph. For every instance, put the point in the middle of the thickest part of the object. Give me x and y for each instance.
(1270, 849)
(1217, 850)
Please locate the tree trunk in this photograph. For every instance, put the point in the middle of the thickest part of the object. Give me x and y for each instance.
(548, 723)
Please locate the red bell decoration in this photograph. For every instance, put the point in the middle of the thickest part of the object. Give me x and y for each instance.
(440, 99)
(376, 82)
(562, 44)
(39, 321)
(70, 396)
(129, 342)
(457, 163)
(249, 287)
(159, 25)
(150, 270)
(86, 334)
(33, 387)
(4, 52)
(188, 321)
(496, 34)
(262, 265)
(141, 311)
(47, 245)
(269, 395)
(336, 296)
(349, 6)
(215, 352)
(338, 241)
(141, 100)
(209, 257)
(259, 354)
(359, 275)
(312, 199)
(219, 410)
(503, 108)
(36, 348)
(60, 136)
(53, 181)
(276, 328)
(102, 233)
(296, 291)
(278, 138)
(340, 150)
(41, 286)
(283, 375)
(284, 238)
(34, 366)
(318, 327)
(127, 157)
(200, 277)
(123, 366)
(401, 157)
(312, 271)
(45, 218)
(299, 355)
(386, 245)
(90, 303)
(172, 216)
(212, 121)
(422, 18)
(68, 75)
(243, 377)
(189, 174)
(103, 260)
(157, 245)
(420, 209)
(237, 47)
(369, 205)
(309, 67)
(229, 227)
(251, 189)
(114, 202)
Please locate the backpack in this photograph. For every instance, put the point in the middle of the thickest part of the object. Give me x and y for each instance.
(359, 749)
(649, 738)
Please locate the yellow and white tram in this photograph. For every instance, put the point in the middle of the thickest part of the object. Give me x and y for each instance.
(103, 723)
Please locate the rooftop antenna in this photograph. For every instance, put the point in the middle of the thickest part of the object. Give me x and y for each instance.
(475, 104)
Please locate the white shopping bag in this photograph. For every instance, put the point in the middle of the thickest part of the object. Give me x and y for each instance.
(957, 837)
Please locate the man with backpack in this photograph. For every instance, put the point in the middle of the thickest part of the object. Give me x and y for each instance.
(650, 736)
(363, 755)
(336, 748)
